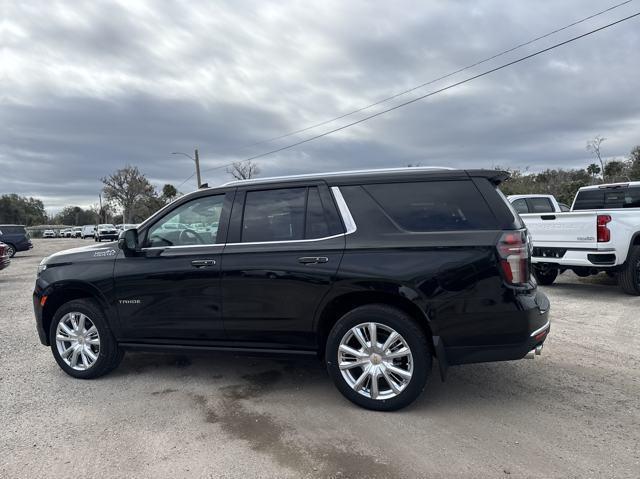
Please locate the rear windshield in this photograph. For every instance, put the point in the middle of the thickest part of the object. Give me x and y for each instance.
(434, 205)
(608, 198)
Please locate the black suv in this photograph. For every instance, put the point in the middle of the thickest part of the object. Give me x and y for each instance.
(16, 238)
(377, 272)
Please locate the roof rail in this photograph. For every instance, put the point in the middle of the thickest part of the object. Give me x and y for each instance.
(339, 173)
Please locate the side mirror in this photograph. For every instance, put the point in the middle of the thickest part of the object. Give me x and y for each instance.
(128, 242)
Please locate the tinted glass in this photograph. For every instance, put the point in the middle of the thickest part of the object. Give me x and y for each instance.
(622, 198)
(193, 223)
(434, 205)
(589, 200)
(521, 206)
(541, 205)
(317, 226)
(274, 215)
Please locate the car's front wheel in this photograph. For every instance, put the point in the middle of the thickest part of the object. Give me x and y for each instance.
(11, 251)
(81, 341)
(378, 357)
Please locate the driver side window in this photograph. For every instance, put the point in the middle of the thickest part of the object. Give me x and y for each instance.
(193, 223)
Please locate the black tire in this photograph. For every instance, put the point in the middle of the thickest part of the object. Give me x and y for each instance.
(412, 334)
(545, 275)
(11, 250)
(109, 355)
(629, 277)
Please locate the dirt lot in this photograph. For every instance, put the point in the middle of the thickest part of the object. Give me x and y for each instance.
(573, 412)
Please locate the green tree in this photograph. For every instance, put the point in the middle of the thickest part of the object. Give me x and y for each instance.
(125, 188)
(74, 215)
(616, 170)
(634, 164)
(15, 209)
(594, 170)
(169, 192)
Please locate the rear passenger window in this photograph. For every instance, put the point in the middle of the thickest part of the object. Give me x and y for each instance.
(434, 205)
(274, 215)
(541, 205)
(521, 206)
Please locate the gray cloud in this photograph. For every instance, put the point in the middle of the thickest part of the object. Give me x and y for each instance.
(89, 87)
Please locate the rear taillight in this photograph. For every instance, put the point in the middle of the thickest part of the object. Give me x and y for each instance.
(604, 233)
(513, 250)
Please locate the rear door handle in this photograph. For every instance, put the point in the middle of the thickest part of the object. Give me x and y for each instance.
(313, 259)
(203, 263)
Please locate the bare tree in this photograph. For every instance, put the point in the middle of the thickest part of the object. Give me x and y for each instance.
(594, 147)
(125, 187)
(243, 170)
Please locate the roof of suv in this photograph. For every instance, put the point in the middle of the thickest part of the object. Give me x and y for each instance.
(337, 177)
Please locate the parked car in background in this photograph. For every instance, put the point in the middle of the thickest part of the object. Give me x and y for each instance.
(524, 204)
(65, 233)
(16, 238)
(76, 232)
(601, 233)
(49, 234)
(376, 272)
(106, 232)
(88, 231)
(5, 259)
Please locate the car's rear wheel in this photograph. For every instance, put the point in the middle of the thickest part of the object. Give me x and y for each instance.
(11, 250)
(378, 357)
(81, 341)
(629, 277)
(545, 275)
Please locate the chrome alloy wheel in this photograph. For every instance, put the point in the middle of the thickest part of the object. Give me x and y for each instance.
(375, 361)
(78, 341)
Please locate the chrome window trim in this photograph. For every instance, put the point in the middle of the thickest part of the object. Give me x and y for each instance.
(349, 222)
(539, 330)
(345, 213)
(185, 246)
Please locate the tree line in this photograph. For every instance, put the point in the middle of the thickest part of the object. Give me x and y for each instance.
(564, 183)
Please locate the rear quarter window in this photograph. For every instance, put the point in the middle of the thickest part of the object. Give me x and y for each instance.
(434, 205)
(541, 205)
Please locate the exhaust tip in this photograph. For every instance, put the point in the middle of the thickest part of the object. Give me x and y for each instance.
(534, 352)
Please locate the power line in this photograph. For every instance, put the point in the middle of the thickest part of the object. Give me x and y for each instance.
(427, 95)
(468, 67)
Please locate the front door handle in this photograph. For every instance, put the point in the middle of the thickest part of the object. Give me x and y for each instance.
(313, 259)
(203, 263)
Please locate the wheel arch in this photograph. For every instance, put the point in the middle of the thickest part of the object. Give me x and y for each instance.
(59, 295)
(338, 306)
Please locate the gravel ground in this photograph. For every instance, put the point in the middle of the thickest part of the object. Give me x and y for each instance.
(573, 412)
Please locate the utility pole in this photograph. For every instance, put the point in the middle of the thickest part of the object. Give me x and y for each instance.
(197, 160)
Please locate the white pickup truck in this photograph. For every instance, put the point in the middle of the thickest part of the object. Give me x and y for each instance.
(600, 233)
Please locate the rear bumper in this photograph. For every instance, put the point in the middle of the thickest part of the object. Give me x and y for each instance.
(24, 246)
(591, 258)
(534, 316)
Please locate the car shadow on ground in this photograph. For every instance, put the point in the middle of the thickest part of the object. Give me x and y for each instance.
(306, 380)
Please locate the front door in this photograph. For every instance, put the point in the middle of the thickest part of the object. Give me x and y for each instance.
(171, 291)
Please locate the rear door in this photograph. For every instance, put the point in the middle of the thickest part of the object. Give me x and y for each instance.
(283, 251)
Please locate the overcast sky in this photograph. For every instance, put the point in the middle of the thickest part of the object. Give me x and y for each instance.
(89, 87)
